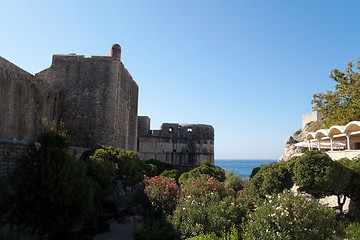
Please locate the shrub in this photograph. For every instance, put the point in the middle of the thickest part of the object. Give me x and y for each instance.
(290, 216)
(233, 234)
(156, 230)
(163, 193)
(206, 217)
(204, 168)
(206, 205)
(174, 173)
(8, 234)
(353, 231)
(50, 190)
(272, 178)
(100, 168)
(160, 166)
(233, 180)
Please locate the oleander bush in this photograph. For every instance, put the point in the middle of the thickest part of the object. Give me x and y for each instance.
(163, 193)
(290, 216)
(206, 206)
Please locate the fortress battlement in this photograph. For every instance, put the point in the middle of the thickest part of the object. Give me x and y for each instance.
(96, 99)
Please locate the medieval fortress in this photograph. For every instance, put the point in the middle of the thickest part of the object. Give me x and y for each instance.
(96, 99)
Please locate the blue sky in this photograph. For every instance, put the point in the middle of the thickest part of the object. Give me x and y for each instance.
(248, 68)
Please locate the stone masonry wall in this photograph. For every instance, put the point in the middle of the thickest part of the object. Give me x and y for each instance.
(24, 102)
(183, 145)
(11, 152)
(98, 100)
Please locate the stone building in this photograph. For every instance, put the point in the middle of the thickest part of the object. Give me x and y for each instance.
(183, 145)
(96, 99)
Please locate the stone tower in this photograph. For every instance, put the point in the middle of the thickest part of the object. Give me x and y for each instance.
(98, 99)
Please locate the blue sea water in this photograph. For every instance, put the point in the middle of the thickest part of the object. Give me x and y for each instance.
(243, 167)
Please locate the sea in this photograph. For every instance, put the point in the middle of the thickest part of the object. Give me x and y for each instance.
(242, 167)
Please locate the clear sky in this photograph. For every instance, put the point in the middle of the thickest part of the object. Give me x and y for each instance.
(248, 68)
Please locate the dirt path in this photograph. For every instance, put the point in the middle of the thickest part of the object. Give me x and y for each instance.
(119, 230)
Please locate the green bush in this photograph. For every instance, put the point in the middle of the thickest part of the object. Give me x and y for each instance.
(160, 167)
(100, 168)
(206, 205)
(8, 234)
(50, 190)
(272, 178)
(353, 231)
(233, 234)
(204, 168)
(289, 216)
(233, 180)
(174, 173)
(156, 230)
(163, 193)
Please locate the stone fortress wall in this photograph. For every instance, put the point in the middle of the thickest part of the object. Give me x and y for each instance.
(311, 117)
(183, 145)
(97, 101)
(24, 101)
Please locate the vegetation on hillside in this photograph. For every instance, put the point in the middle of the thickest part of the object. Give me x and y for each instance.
(341, 106)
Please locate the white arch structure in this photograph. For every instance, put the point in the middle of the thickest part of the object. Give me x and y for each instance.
(336, 138)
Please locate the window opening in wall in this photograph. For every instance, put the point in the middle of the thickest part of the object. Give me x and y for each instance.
(170, 129)
(189, 129)
(357, 145)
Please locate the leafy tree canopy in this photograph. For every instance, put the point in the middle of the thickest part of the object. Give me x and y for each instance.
(271, 178)
(204, 168)
(317, 174)
(342, 105)
(50, 190)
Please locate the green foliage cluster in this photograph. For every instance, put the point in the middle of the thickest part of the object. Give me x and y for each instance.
(159, 167)
(317, 174)
(104, 163)
(7, 233)
(233, 234)
(313, 126)
(290, 216)
(204, 168)
(163, 193)
(174, 173)
(272, 178)
(342, 105)
(206, 205)
(50, 191)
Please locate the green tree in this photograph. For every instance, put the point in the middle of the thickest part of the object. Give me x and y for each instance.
(317, 174)
(342, 105)
(271, 178)
(50, 191)
(204, 168)
(159, 166)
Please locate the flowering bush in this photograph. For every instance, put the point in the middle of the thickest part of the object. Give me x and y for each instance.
(213, 217)
(163, 193)
(246, 196)
(206, 205)
(203, 189)
(290, 216)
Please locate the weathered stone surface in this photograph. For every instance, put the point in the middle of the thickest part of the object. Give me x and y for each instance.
(290, 150)
(98, 99)
(183, 145)
(24, 102)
